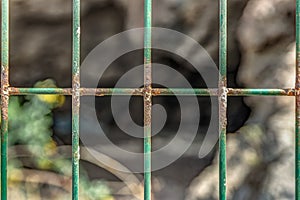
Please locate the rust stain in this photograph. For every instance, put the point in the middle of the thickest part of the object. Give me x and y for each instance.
(156, 92)
(147, 105)
(147, 73)
(235, 91)
(99, 92)
(68, 91)
(291, 91)
(76, 92)
(298, 100)
(111, 91)
(4, 106)
(298, 71)
(4, 92)
(13, 90)
(138, 91)
(223, 91)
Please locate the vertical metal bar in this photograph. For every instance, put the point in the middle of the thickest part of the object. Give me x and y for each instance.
(222, 98)
(147, 98)
(75, 99)
(297, 95)
(4, 94)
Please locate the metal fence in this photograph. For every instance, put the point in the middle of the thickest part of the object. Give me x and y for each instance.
(147, 92)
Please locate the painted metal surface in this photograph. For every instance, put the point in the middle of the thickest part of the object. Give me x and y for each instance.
(75, 99)
(147, 98)
(4, 94)
(155, 91)
(297, 93)
(222, 98)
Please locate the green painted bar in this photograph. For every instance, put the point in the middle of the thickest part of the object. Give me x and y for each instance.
(4, 94)
(261, 92)
(75, 99)
(214, 92)
(155, 91)
(297, 86)
(222, 98)
(147, 98)
(34, 91)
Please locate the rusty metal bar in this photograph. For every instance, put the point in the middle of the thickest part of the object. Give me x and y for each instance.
(4, 94)
(230, 92)
(222, 98)
(155, 91)
(75, 99)
(147, 98)
(297, 89)
(34, 91)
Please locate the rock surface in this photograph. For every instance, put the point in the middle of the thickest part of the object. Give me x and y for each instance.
(263, 167)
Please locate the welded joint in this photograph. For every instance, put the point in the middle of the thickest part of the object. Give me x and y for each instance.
(76, 97)
(147, 105)
(223, 91)
(147, 94)
(76, 92)
(5, 90)
(76, 85)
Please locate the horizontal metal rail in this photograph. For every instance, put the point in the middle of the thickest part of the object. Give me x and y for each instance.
(155, 91)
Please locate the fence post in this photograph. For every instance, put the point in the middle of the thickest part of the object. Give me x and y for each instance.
(147, 98)
(75, 99)
(4, 94)
(222, 98)
(297, 94)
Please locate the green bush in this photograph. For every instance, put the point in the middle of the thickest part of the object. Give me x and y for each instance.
(30, 122)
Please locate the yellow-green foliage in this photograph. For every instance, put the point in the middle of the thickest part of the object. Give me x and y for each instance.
(30, 125)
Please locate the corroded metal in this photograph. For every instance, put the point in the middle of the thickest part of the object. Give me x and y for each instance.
(147, 98)
(155, 91)
(75, 99)
(297, 89)
(112, 91)
(222, 98)
(261, 92)
(4, 94)
(34, 91)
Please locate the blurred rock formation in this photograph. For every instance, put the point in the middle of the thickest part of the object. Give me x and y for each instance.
(261, 154)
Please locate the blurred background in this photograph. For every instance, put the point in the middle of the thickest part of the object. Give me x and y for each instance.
(261, 54)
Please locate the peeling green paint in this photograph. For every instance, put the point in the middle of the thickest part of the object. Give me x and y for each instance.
(75, 99)
(222, 99)
(4, 94)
